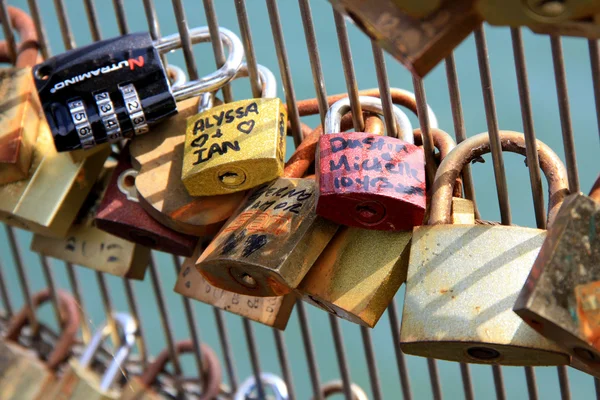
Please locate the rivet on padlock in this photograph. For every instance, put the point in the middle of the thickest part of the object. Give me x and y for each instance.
(23, 374)
(80, 382)
(560, 296)
(236, 146)
(121, 215)
(463, 280)
(272, 242)
(141, 387)
(20, 117)
(369, 181)
(117, 87)
(269, 381)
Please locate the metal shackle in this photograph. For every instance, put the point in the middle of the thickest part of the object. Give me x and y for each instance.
(128, 327)
(214, 80)
(277, 384)
(433, 121)
(372, 104)
(176, 76)
(28, 47)
(475, 146)
(337, 387)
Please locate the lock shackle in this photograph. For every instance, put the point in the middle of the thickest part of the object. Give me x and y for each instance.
(69, 309)
(249, 385)
(337, 387)
(595, 192)
(474, 147)
(214, 80)
(373, 104)
(177, 76)
(28, 47)
(129, 329)
(211, 376)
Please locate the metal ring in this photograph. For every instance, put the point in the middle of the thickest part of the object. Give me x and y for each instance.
(433, 121)
(249, 385)
(178, 75)
(337, 387)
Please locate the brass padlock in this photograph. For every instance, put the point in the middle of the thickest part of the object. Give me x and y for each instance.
(463, 280)
(19, 105)
(271, 311)
(418, 43)
(23, 374)
(121, 215)
(79, 381)
(236, 146)
(142, 388)
(91, 247)
(560, 296)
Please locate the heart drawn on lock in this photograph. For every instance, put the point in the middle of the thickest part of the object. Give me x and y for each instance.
(246, 126)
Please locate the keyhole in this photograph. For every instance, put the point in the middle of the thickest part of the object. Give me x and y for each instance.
(366, 212)
(369, 212)
(483, 353)
(585, 354)
(548, 8)
(232, 178)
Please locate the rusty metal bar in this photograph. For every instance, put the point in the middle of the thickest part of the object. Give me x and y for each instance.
(531, 383)
(186, 40)
(499, 382)
(310, 351)
(6, 302)
(595, 65)
(384, 90)
(23, 280)
(465, 373)
(242, 16)
(121, 18)
(108, 308)
(86, 334)
(400, 359)
(217, 45)
(51, 284)
(284, 363)
(428, 148)
(251, 341)
(65, 27)
(34, 9)
(434, 378)
(9, 34)
(371, 362)
(226, 347)
(92, 16)
(341, 355)
(563, 380)
(133, 308)
(153, 25)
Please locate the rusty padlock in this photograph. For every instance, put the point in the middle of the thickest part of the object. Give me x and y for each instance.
(463, 280)
(142, 388)
(369, 181)
(23, 373)
(121, 215)
(19, 104)
(560, 297)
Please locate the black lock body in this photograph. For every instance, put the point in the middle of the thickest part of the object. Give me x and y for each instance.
(104, 91)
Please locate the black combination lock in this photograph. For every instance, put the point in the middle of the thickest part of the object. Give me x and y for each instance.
(115, 88)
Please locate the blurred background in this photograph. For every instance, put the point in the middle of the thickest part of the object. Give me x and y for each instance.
(547, 128)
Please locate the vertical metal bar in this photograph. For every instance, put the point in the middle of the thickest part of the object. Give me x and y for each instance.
(341, 356)
(226, 347)
(74, 282)
(465, 372)
(531, 383)
(595, 64)
(310, 351)
(8, 308)
(313, 55)
(348, 65)
(498, 382)
(153, 26)
(286, 74)
(186, 40)
(384, 90)
(50, 282)
(34, 9)
(284, 363)
(371, 362)
(65, 28)
(107, 303)
(9, 34)
(434, 376)
(251, 341)
(133, 308)
(428, 148)
(597, 387)
(563, 379)
(242, 16)
(217, 45)
(121, 17)
(23, 280)
(92, 16)
(400, 359)
(459, 130)
(492, 122)
(565, 113)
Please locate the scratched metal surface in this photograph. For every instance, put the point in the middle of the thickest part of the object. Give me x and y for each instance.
(483, 86)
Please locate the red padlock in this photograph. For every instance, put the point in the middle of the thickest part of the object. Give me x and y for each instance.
(370, 181)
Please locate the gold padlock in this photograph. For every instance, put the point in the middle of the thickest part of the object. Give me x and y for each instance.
(80, 382)
(23, 374)
(236, 146)
(271, 311)
(140, 388)
(91, 247)
(535, 13)
(463, 280)
(561, 296)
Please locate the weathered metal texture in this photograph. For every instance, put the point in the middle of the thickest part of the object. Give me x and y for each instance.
(121, 215)
(418, 43)
(48, 201)
(418, 8)
(560, 297)
(78, 382)
(158, 157)
(234, 147)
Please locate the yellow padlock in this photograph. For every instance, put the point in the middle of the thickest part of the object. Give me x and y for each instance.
(236, 146)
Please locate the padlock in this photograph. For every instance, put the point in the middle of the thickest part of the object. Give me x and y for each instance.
(23, 373)
(463, 280)
(141, 388)
(369, 181)
(236, 146)
(560, 297)
(121, 215)
(19, 105)
(271, 311)
(91, 247)
(332, 388)
(248, 388)
(418, 43)
(79, 381)
(48, 201)
(118, 87)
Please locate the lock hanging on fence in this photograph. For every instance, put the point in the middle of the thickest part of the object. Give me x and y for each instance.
(23, 374)
(463, 280)
(271, 381)
(236, 146)
(118, 87)
(560, 297)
